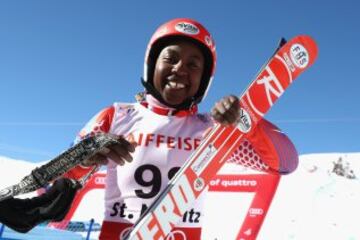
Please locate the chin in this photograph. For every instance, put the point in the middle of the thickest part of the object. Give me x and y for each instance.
(173, 101)
(173, 104)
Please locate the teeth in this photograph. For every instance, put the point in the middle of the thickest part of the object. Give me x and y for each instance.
(172, 84)
(180, 85)
(176, 85)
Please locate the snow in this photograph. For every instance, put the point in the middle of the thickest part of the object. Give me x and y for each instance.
(41, 233)
(314, 202)
(311, 203)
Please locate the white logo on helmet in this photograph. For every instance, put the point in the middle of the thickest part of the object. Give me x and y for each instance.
(208, 40)
(187, 28)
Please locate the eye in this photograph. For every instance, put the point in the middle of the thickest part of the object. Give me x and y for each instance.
(168, 59)
(169, 56)
(194, 65)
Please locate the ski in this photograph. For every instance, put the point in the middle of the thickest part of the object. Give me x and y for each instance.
(43, 175)
(288, 62)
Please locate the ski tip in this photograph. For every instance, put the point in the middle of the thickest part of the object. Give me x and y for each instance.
(313, 48)
(282, 42)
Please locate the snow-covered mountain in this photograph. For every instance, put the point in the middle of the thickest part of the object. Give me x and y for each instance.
(318, 201)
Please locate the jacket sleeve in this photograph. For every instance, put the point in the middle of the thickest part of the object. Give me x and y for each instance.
(101, 122)
(267, 149)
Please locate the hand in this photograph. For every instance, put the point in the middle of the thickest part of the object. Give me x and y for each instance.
(22, 215)
(227, 110)
(119, 153)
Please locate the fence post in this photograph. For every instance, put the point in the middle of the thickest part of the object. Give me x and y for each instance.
(90, 228)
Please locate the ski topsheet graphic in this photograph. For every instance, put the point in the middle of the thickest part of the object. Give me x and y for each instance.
(287, 63)
(43, 175)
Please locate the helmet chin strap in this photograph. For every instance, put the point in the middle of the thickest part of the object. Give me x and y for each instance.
(186, 105)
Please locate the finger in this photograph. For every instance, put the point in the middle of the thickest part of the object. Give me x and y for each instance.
(216, 115)
(134, 145)
(219, 106)
(224, 122)
(122, 152)
(220, 118)
(130, 146)
(104, 151)
(230, 117)
(213, 112)
(87, 162)
(233, 108)
(230, 101)
(227, 104)
(101, 159)
(233, 114)
(114, 156)
(233, 99)
(96, 159)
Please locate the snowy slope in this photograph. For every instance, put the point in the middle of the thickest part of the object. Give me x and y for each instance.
(312, 203)
(315, 203)
(13, 170)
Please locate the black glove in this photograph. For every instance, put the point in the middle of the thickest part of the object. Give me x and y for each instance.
(22, 215)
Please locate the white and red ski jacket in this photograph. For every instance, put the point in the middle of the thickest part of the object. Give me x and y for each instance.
(165, 139)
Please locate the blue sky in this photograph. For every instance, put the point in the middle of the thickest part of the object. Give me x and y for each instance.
(62, 61)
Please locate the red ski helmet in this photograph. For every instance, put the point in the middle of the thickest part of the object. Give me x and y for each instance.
(184, 29)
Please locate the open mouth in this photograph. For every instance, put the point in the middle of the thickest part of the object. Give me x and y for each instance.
(175, 85)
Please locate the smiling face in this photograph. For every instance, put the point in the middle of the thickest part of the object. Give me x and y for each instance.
(178, 72)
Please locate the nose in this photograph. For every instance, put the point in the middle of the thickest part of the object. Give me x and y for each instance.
(179, 68)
